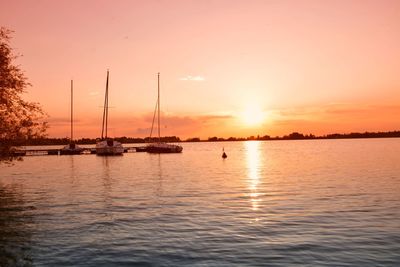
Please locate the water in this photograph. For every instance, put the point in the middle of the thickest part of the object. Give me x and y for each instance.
(278, 203)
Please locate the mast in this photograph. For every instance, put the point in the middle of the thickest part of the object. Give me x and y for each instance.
(107, 106)
(105, 112)
(158, 86)
(72, 111)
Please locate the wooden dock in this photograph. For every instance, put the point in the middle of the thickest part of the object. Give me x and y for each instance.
(59, 151)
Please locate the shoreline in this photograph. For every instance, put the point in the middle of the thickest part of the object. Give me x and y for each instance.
(225, 140)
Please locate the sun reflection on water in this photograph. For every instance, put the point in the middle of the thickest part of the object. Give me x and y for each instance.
(253, 172)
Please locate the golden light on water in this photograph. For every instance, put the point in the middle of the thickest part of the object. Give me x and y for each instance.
(253, 171)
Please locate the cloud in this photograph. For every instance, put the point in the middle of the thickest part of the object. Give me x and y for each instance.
(143, 131)
(285, 122)
(363, 111)
(335, 117)
(336, 109)
(182, 126)
(192, 78)
(94, 93)
(216, 117)
(59, 121)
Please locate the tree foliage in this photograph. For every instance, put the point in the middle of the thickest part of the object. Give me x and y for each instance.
(19, 119)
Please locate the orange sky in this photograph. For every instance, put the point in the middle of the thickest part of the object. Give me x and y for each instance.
(228, 67)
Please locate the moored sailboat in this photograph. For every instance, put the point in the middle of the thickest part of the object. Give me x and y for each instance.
(71, 148)
(161, 147)
(107, 146)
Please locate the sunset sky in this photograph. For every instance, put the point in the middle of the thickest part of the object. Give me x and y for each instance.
(228, 67)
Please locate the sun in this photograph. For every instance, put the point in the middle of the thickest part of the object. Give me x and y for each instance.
(252, 116)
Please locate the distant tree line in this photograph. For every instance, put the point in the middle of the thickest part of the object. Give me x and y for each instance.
(175, 139)
(364, 135)
(300, 136)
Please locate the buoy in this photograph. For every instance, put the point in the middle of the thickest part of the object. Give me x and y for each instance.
(224, 156)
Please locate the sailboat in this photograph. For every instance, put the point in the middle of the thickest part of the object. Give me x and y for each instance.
(71, 148)
(161, 147)
(107, 146)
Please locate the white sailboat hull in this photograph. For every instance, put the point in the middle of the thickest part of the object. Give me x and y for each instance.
(71, 149)
(109, 148)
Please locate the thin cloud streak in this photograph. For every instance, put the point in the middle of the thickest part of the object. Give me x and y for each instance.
(95, 93)
(192, 78)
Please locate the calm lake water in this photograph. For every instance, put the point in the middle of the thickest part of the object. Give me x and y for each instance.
(278, 203)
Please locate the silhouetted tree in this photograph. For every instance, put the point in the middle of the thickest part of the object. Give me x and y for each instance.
(19, 119)
(194, 139)
(294, 136)
(266, 137)
(213, 139)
